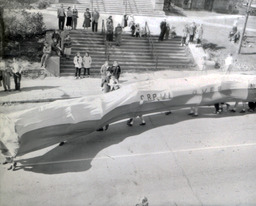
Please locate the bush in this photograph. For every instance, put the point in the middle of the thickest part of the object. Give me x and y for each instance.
(43, 4)
(22, 24)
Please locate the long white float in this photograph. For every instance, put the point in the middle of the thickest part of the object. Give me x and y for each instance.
(42, 126)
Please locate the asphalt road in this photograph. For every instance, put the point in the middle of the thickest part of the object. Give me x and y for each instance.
(173, 160)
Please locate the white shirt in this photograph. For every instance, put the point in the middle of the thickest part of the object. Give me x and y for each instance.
(78, 61)
(229, 60)
(16, 68)
(87, 61)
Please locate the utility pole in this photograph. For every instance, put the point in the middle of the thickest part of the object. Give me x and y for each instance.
(245, 23)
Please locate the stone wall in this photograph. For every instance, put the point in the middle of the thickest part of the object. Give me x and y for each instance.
(158, 5)
(198, 4)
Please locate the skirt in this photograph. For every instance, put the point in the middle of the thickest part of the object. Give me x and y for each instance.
(69, 21)
(67, 51)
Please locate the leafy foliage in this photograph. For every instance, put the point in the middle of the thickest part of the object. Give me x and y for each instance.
(20, 24)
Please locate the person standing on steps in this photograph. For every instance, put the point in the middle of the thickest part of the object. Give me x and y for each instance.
(163, 27)
(192, 32)
(67, 46)
(110, 29)
(69, 18)
(95, 20)
(118, 34)
(87, 61)
(74, 17)
(78, 65)
(61, 16)
(167, 31)
(87, 19)
(137, 30)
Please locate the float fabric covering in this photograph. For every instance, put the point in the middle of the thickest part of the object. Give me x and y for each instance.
(42, 126)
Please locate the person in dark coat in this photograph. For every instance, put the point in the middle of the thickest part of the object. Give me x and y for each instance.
(110, 29)
(125, 21)
(87, 19)
(118, 34)
(133, 28)
(116, 70)
(69, 18)
(163, 28)
(167, 33)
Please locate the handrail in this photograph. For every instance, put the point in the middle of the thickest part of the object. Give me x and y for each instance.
(151, 43)
(103, 31)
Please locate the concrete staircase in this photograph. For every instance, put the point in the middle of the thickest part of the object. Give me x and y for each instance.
(112, 7)
(134, 54)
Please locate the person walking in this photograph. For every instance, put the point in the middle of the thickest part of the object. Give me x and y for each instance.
(87, 19)
(7, 73)
(228, 63)
(61, 16)
(78, 64)
(74, 17)
(87, 61)
(95, 20)
(69, 18)
(46, 54)
(16, 69)
(118, 34)
(67, 46)
(163, 28)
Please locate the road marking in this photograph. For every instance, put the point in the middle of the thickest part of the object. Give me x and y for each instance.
(140, 154)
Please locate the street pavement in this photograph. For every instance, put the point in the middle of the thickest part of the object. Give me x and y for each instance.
(172, 160)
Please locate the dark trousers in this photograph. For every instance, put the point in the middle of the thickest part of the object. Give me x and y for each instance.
(217, 107)
(17, 79)
(161, 37)
(88, 71)
(78, 72)
(94, 26)
(191, 38)
(74, 22)
(61, 22)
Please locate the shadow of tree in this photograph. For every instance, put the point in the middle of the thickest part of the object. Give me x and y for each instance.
(212, 46)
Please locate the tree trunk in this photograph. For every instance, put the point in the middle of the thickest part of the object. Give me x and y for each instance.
(2, 31)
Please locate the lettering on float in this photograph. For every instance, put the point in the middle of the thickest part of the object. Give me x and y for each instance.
(207, 90)
(156, 97)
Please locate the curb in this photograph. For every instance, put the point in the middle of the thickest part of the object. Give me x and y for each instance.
(36, 101)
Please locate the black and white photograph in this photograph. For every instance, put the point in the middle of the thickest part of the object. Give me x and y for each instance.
(127, 102)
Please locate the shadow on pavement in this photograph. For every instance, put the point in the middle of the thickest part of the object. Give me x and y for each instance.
(77, 155)
(38, 88)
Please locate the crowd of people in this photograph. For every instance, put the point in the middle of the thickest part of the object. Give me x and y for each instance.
(9, 69)
(192, 33)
